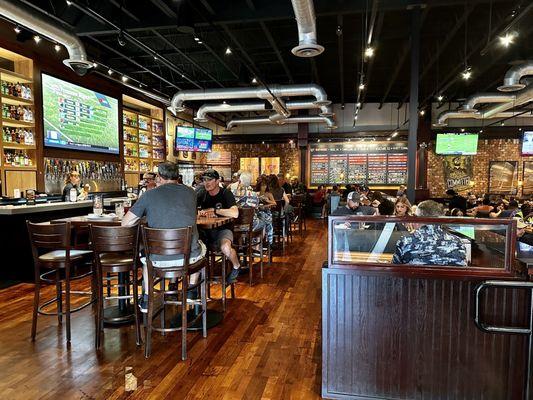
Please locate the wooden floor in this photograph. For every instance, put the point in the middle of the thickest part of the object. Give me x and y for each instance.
(268, 346)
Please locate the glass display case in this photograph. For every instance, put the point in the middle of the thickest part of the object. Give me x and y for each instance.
(472, 244)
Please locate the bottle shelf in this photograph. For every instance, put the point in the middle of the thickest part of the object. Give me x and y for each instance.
(16, 101)
(18, 146)
(16, 123)
(19, 168)
(13, 77)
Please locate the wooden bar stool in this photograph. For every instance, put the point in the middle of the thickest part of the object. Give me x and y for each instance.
(217, 258)
(55, 262)
(176, 243)
(116, 251)
(245, 238)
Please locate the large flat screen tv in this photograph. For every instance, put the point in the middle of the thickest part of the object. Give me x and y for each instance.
(77, 118)
(193, 139)
(457, 144)
(527, 143)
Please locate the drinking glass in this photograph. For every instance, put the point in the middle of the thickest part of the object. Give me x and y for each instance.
(98, 205)
(127, 205)
(119, 210)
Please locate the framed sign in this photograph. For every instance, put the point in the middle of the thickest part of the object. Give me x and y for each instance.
(458, 172)
(219, 158)
(503, 177)
(270, 165)
(527, 178)
(250, 164)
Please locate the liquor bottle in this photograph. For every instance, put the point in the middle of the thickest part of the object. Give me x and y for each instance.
(18, 90)
(28, 92)
(26, 160)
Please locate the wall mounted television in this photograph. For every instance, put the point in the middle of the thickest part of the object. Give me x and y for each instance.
(78, 118)
(457, 144)
(193, 139)
(527, 143)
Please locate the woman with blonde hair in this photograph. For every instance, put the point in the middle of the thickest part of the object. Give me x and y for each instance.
(71, 182)
(402, 207)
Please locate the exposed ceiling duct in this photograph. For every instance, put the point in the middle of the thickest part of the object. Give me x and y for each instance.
(471, 102)
(511, 81)
(293, 120)
(446, 115)
(274, 92)
(45, 26)
(304, 12)
(203, 111)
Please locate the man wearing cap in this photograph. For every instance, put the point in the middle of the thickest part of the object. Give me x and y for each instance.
(215, 201)
(430, 244)
(354, 206)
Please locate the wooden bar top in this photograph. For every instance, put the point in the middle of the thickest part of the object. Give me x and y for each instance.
(202, 222)
(44, 207)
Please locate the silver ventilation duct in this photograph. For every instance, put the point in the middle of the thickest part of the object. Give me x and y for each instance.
(471, 102)
(294, 120)
(203, 111)
(48, 28)
(511, 81)
(279, 91)
(446, 115)
(304, 12)
(521, 97)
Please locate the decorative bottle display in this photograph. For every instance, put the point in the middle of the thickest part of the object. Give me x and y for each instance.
(129, 119)
(158, 154)
(16, 90)
(144, 138)
(17, 158)
(143, 124)
(130, 136)
(19, 113)
(130, 151)
(144, 152)
(158, 141)
(144, 165)
(18, 135)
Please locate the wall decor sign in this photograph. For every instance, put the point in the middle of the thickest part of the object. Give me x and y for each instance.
(270, 165)
(503, 177)
(219, 158)
(250, 164)
(527, 178)
(458, 172)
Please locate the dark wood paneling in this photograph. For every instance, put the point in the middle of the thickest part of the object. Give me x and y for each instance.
(399, 338)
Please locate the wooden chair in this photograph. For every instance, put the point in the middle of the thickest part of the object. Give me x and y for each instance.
(297, 202)
(217, 258)
(245, 238)
(172, 242)
(116, 251)
(280, 223)
(54, 262)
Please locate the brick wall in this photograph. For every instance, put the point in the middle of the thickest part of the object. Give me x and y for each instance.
(289, 157)
(488, 150)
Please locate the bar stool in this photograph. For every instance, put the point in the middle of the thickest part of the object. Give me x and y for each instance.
(279, 223)
(116, 251)
(52, 258)
(215, 257)
(173, 242)
(245, 238)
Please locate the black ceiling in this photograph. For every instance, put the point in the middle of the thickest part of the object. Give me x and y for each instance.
(261, 34)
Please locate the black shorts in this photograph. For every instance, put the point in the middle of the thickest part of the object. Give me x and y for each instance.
(214, 237)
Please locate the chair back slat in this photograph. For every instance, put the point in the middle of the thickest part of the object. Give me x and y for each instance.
(49, 236)
(114, 238)
(167, 242)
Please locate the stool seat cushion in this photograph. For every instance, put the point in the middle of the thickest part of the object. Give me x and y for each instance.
(59, 255)
(115, 259)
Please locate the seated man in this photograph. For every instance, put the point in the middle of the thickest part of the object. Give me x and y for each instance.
(167, 206)
(354, 207)
(215, 201)
(430, 244)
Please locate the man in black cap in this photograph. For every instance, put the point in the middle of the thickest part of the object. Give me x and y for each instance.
(456, 200)
(215, 201)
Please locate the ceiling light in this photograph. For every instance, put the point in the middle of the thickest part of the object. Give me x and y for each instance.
(17, 29)
(361, 86)
(440, 97)
(388, 138)
(394, 134)
(155, 58)
(369, 52)
(481, 131)
(124, 78)
(466, 74)
(507, 39)
(502, 123)
(200, 42)
(57, 48)
(37, 38)
(318, 140)
(358, 104)
(110, 71)
(263, 142)
(228, 51)
(519, 129)
(68, 3)
(342, 106)
(254, 80)
(422, 112)
(291, 142)
(95, 65)
(120, 39)
(462, 129)
(349, 140)
(197, 39)
(355, 118)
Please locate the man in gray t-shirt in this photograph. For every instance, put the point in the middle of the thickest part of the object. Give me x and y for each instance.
(169, 206)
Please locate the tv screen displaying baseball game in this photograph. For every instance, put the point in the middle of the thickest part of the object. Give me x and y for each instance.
(78, 118)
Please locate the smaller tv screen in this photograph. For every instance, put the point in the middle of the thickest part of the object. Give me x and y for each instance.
(527, 143)
(457, 144)
(193, 139)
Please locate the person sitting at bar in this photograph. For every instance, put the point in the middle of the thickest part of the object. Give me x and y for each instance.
(264, 194)
(354, 207)
(523, 236)
(511, 211)
(430, 244)
(402, 207)
(456, 200)
(215, 201)
(471, 201)
(481, 211)
(297, 187)
(72, 182)
(234, 185)
(167, 206)
(148, 183)
(285, 185)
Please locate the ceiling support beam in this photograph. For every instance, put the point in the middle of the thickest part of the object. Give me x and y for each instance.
(164, 8)
(368, 74)
(340, 45)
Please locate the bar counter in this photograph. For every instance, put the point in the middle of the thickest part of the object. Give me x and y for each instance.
(24, 209)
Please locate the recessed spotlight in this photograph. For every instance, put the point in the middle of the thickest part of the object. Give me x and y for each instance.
(110, 71)
(124, 78)
(228, 51)
(519, 129)
(369, 52)
(57, 48)
(37, 38)
(17, 29)
(263, 142)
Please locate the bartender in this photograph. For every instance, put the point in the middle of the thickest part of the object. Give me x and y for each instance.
(73, 181)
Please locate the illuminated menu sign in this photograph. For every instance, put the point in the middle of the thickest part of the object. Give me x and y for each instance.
(372, 163)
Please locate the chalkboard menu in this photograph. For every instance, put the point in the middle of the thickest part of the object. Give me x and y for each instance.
(375, 163)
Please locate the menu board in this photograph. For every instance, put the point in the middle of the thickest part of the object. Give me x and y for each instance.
(371, 163)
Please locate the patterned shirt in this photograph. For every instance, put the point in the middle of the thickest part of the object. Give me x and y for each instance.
(430, 245)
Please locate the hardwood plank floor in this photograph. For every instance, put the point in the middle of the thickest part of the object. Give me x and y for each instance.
(268, 346)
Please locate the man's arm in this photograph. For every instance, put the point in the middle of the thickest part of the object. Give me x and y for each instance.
(232, 212)
(130, 219)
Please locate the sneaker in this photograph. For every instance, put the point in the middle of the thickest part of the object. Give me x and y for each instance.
(143, 303)
(232, 276)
